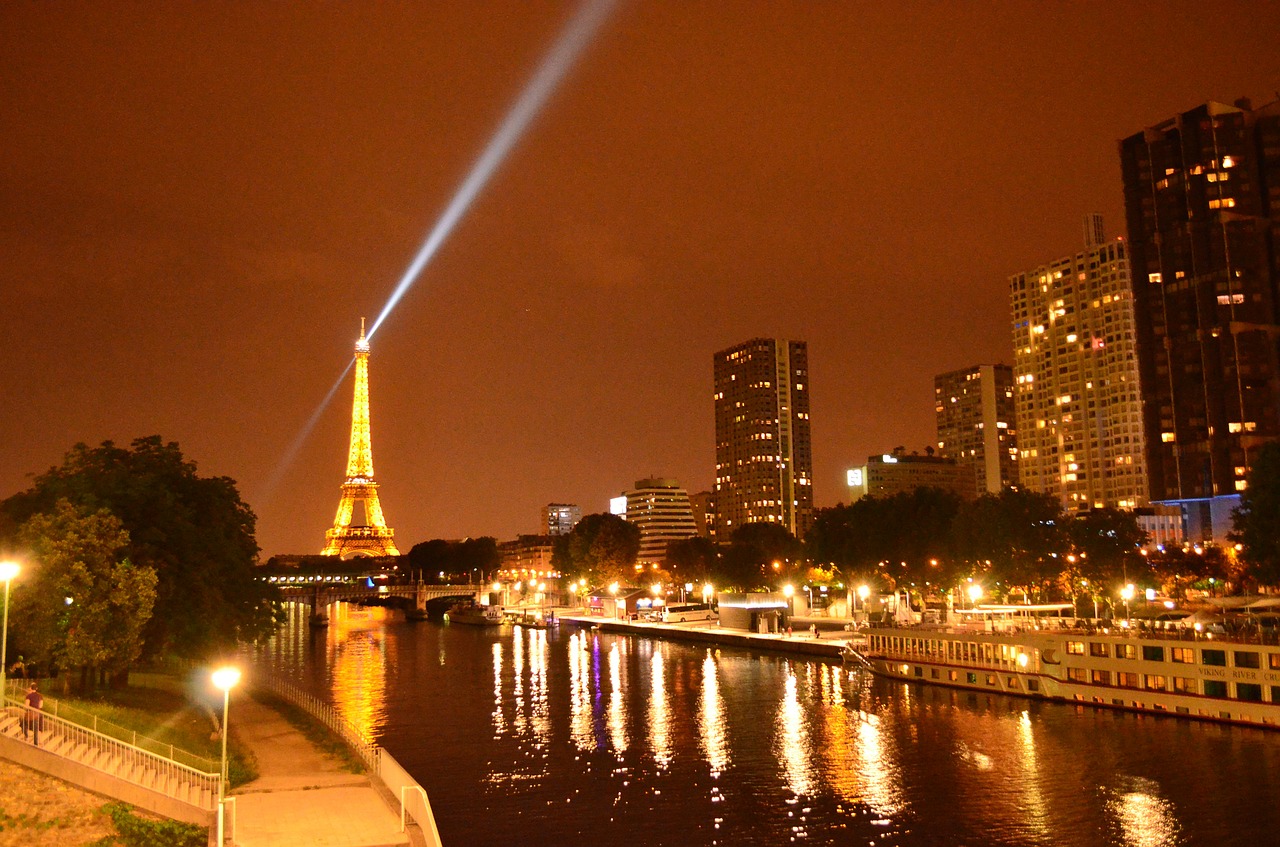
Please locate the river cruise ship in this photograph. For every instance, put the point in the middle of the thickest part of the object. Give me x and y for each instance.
(1018, 650)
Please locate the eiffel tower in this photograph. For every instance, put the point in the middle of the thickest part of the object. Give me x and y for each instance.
(372, 537)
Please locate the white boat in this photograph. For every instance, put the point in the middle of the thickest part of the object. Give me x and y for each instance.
(1184, 672)
(471, 613)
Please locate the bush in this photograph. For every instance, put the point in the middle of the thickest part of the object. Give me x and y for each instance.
(140, 832)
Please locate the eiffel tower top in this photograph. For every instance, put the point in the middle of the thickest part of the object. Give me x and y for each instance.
(362, 346)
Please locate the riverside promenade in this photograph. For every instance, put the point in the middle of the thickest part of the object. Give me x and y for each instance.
(303, 796)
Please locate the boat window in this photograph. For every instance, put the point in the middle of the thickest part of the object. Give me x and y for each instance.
(1077, 675)
(1098, 648)
(1213, 657)
(1246, 659)
(1075, 648)
(1215, 688)
(1185, 655)
(1152, 654)
(952, 675)
(1251, 691)
(1154, 682)
(1034, 685)
(1127, 680)
(972, 678)
(1184, 685)
(1101, 678)
(1275, 694)
(1273, 659)
(1126, 651)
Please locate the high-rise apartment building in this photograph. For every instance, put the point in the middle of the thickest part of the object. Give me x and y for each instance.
(560, 518)
(1076, 387)
(976, 423)
(1202, 201)
(661, 509)
(764, 464)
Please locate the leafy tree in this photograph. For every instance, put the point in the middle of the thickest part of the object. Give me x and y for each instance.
(1015, 536)
(194, 532)
(601, 548)
(758, 554)
(692, 559)
(466, 560)
(1256, 521)
(85, 606)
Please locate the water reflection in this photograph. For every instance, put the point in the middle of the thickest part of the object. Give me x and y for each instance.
(659, 739)
(1145, 819)
(358, 683)
(793, 740)
(580, 729)
(711, 718)
(617, 709)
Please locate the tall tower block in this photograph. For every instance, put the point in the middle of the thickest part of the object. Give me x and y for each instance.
(371, 536)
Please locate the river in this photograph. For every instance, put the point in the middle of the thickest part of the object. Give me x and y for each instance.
(576, 737)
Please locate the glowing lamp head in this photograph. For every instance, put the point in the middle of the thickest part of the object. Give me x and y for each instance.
(788, 589)
(224, 679)
(975, 592)
(864, 592)
(1126, 593)
(707, 590)
(496, 586)
(8, 571)
(613, 588)
(1023, 660)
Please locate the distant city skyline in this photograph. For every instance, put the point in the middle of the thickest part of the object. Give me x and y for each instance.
(200, 202)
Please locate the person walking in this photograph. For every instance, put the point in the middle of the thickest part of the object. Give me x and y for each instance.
(32, 717)
(18, 670)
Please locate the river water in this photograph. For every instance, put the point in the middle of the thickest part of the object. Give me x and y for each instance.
(576, 737)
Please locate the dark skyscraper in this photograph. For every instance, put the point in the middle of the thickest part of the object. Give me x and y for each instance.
(764, 464)
(1202, 199)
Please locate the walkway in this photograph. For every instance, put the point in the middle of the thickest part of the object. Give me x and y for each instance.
(302, 796)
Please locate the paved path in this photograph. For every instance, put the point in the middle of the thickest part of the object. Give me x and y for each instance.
(302, 796)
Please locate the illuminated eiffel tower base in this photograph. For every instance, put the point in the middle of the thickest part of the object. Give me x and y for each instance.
(372, 537)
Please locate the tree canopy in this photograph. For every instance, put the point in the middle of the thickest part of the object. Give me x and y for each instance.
(85, 605)
(600, 548)
(467, 560)
(1257, 519)
(194, 532)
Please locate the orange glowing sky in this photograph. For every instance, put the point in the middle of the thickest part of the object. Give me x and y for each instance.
(200, 201)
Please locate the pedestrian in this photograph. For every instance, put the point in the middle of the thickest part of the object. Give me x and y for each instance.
(18, 670)
(31, 718)
(788, 630)
(814, 629)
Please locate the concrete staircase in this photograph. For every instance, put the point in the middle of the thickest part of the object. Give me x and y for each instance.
(108, 765)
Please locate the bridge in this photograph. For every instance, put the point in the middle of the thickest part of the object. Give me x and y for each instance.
(412, 598)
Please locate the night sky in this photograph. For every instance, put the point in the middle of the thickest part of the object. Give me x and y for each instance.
(198, 202)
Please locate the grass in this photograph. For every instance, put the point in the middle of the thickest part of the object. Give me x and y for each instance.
(314, 731)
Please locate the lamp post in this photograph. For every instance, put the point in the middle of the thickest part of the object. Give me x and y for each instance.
(975, 594)
(1126, 594)
(707, 591)
(789, 591)
(864, 591)
(8, 570)
(224, 678)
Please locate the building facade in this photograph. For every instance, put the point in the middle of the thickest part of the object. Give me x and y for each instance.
(976, 423)
(662, 511)
(559, 518)
(1202, 201)
(527, 557)
(1076, 385)
(764, 463)
(899, 472)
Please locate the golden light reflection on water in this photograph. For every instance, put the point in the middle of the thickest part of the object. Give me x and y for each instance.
(358, 666)
(1145, 819)
(580, 730)
(878, 767)
(617, 708)
(792, 744)
(499, 719)
(711, 718)
(659, 716)
(540, 708)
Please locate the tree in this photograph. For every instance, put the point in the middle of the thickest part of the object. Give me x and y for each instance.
(1016, 536)
(601, 548)
(86, 605)
(692, 559)
(466, 560)
(1256, 520)
(759, 554)
(194, 532)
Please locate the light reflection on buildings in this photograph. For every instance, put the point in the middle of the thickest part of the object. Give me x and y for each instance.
(711, 718)
(659, 716)
(358, 666)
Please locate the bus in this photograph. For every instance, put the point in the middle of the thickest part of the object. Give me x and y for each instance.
(682, 612)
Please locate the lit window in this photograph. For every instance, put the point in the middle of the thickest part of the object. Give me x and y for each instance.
(1228, 162)
(1168, 437)
(1155, 277)
(1235, 426)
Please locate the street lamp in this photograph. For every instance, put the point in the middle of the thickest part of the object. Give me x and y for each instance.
(8, 570)
(975, 594)
(707, 591)
(225, 679)
(788, 591)
(864, 591)
(1126, 594)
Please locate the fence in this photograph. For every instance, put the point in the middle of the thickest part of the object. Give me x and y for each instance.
(122, 759)
(80, 717)
(413, 799)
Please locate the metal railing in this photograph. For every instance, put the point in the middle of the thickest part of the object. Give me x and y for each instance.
(360, 743)
(81, 717)
(413, 798)
(119, 758)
